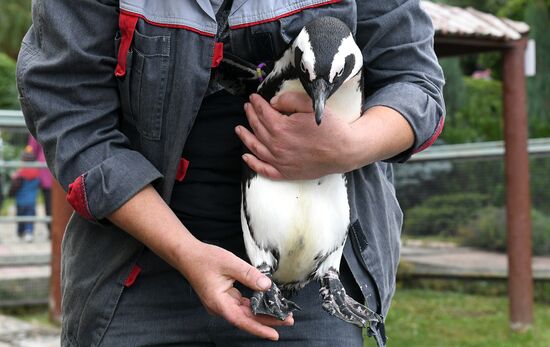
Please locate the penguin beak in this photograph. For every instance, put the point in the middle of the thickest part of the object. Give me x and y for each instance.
(320, 91)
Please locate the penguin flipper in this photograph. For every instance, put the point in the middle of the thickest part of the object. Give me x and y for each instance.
(339, 304)
(272, 302)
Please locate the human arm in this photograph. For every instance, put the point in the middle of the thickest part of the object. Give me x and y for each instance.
(402, 78)
(296, 148)
(211, 270)
(71, 103)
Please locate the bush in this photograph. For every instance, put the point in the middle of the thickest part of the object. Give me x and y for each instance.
(8, 90)
(488, 231)
(443, 214)
(480, 116)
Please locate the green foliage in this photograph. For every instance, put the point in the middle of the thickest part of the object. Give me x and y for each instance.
(480, 116)
(538, 86)
(539, 168)
(15, 19)
(491, 6)
(537, 14)
(488, 231)
(442, 214)
(454, 91)
(8, 91)
(515, 9)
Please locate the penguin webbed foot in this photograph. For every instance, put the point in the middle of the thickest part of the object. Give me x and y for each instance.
(272, 302)
(339, 304)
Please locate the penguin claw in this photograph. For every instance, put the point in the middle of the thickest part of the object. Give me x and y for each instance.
(272, 303)
(337, 303)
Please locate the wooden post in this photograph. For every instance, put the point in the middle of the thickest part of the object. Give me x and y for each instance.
(518, 199)
(61, 212)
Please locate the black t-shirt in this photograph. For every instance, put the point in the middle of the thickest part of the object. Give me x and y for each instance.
(208, 200)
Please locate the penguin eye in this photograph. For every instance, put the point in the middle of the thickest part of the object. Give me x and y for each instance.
(303, 67)
(340, 73)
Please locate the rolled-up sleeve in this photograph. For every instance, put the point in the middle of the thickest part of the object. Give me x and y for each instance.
(401, 69)
(69, 97)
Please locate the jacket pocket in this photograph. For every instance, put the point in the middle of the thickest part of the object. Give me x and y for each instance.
(143, 89)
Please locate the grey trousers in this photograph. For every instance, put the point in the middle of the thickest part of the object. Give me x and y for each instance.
(162, 309)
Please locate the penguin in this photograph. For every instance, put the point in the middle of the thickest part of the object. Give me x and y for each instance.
(295, 231)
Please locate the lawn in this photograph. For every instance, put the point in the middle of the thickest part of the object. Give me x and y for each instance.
(424, 318)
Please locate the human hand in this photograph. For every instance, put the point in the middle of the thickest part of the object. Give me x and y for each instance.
(212, 272)
(294, 147)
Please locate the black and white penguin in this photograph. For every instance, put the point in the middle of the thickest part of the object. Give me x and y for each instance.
(294, 231)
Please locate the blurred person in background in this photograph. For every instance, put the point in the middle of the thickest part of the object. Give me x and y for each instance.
(45, 178)
(24, 187)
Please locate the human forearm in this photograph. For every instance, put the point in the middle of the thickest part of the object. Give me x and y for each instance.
(381, 133)
(295, 147)
(210, 270)
(149, 219)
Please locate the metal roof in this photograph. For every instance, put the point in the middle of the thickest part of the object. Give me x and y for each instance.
(469, 22)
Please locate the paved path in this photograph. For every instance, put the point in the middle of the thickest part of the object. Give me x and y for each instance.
(25, 270)
(8, 233)
(16, 252)
(449, 260)
(17, 333)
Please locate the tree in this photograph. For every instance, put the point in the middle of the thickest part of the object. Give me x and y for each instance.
(8, 91)
(454, 90)
(491, 6)
(15, 19)
(538, 86)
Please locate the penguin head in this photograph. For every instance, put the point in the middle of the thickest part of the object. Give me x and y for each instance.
(325, 57)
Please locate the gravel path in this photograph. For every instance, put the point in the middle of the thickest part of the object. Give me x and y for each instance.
(17, 333)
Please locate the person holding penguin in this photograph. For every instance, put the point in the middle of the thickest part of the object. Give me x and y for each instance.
(144, 128)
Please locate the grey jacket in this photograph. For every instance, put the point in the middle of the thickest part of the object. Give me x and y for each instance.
(106, 136)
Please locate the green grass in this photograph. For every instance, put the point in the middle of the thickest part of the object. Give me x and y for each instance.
(425, 318)
(31, 314)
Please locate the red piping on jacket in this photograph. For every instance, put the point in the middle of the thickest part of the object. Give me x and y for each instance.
(167, 25)
(434, 137)
(244, 25)
(76, 196)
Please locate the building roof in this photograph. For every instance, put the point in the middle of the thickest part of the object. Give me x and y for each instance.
(469, 22)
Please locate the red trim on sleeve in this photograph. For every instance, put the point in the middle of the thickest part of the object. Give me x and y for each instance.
(127, 24)
(217, 57)
(167, 25)
(244, 25)
(182, 169)
(434, 137)
(76, 196)
(131, 279)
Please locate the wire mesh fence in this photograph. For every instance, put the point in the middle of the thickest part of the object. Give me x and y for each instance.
(462, 198)
(454, 192)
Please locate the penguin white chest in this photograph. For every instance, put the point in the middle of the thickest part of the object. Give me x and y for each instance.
(301, 221)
